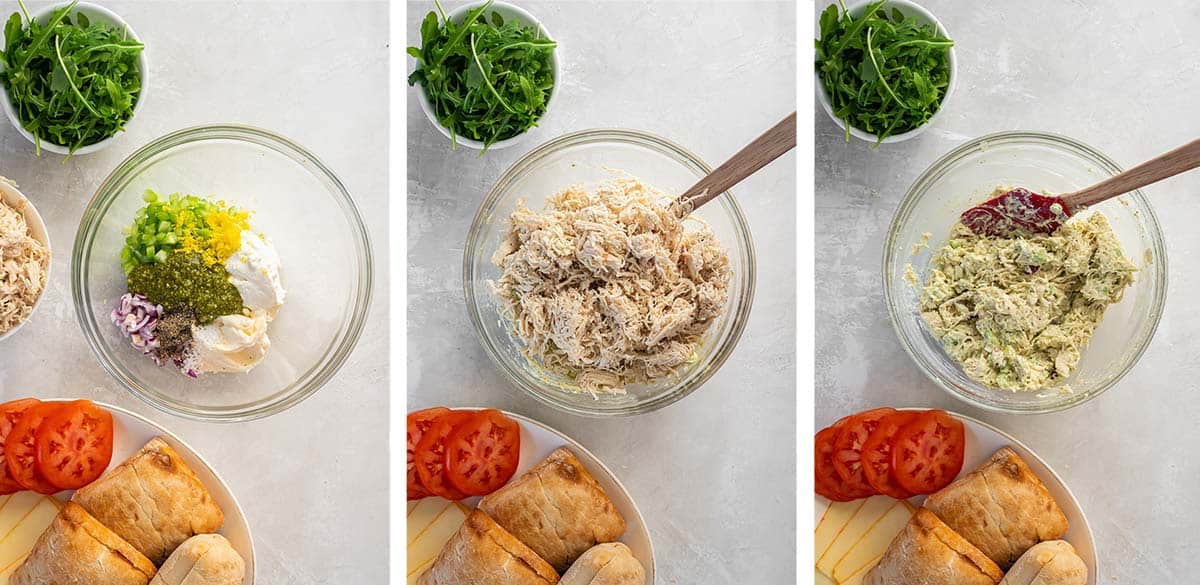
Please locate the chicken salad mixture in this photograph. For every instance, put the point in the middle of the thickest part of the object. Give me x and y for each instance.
(1017, 311)
(609, 286)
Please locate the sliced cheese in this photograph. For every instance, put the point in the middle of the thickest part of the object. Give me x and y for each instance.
(412, 504)
(7, 572)
(821, 579)
(872, 510)
(831, 524)
(20, 540)
(857, 578)
(414, 574)
(423, 515)
(16, 507)
(426, 541)
(873, 543)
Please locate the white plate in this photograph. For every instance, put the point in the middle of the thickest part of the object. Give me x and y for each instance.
(132, 431)
(539, 440)
(983, 440)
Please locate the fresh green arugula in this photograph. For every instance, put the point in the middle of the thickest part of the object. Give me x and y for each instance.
(488, 78)
(884, 73)
(72, 82)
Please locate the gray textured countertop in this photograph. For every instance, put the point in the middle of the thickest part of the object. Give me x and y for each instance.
(714, 475)
(310, 479)
(1121, 77)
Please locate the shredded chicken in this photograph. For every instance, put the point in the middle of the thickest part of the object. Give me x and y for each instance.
(609, 286)
(23, 264)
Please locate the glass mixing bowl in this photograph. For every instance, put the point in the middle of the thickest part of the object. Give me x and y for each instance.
(1042, 163)
(298, 203)
(589, 157)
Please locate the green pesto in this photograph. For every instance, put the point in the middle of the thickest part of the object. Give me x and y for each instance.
(183, 279)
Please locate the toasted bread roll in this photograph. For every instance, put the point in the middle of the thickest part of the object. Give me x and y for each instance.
(483, 553)
(557, 508)
(78, 550)
(1001, 507)
(1053, 562)
(927, 552)
(153, 500)
(205, 559)
(606, 564)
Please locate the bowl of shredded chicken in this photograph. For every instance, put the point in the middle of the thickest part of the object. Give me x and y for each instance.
(24, 258)
(592, 289)
(607, 286)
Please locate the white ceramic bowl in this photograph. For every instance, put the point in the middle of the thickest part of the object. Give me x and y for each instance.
(14, 199)
(925, 17)
(96, 14)
(508, 11)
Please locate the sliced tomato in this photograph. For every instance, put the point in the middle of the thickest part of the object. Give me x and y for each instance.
(418, 423)
(20, 450)
(847, 451)
(431, 454)
(75, 445)
(10, 413)
(482, 454)
(927, 453)
(828, 483)
(877, 454)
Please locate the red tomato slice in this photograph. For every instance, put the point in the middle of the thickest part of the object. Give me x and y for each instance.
(828, 483)
(10, 413)
(20, 450)
(877, 455)
(75, 445)
(847, 451)
(927, 453)
(431, 454)
(482, 454)
(418, 423)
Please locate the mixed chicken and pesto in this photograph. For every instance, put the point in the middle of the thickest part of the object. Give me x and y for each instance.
(203, 286)
(1016, 311)
(610, 285)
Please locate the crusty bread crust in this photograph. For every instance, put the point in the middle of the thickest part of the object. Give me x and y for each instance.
(606, 564)
(153, 500)
(483, 553)
(927, 552)
(1001, 507)
(78, 550)
(1053, 562)
(557, 509)
(205, 559)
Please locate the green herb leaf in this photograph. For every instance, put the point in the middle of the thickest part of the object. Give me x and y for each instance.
(73, 82)
(488, 78)
(882, 75)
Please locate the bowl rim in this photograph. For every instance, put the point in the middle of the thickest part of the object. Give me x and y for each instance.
(143, 73)
(952, 83)
(315, 377)
(36, 225)
(933, 173)
(643, 139)
(427, 106)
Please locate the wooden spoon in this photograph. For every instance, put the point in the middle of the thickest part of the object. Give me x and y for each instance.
(1020, 210)
(766, 148)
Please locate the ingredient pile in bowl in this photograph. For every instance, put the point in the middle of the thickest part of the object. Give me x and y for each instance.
(23, 265)
(1017, 310)
(203, 287)
(608, 286)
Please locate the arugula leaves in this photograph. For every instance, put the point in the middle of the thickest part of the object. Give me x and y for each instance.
(73, 82)
(884, 73)
(488, 79)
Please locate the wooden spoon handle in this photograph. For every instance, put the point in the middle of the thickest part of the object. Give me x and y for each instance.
(1184, 158)
(766, 148)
